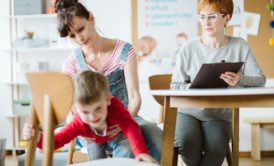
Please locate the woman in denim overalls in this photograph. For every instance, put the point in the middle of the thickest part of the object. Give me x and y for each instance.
(77, 23)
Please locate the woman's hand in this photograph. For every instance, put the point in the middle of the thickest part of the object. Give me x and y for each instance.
(231, 78)
(132, 86)
(145, 157)
(28, 131)
(114, 130)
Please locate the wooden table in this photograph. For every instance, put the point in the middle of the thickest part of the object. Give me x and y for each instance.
(209, 98)
(114, 162)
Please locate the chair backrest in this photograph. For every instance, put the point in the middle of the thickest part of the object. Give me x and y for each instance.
(161, 81)
(52, 99)
(58, 87)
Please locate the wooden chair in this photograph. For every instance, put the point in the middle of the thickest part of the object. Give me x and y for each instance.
(156, 82)
(162, 81)
(52, 98)
(75, 155)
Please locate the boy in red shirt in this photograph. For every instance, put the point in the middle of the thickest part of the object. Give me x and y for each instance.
(96, 112)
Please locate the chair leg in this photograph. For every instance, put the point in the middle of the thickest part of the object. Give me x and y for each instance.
(229, 156)
(71, 150)
(175, 156)
(255, 146)
(48, 137)
(31, 147)
(235, 137)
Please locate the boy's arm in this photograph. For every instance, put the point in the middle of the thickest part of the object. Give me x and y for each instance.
(130, 129)
(132, 132)
(64, 135)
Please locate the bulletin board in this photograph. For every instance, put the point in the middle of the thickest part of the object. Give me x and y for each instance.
(260, 44)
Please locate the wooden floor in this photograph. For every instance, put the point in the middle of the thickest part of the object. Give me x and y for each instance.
(12, 161)
(250, 162)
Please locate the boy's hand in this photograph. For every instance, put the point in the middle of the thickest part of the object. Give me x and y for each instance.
(28, 131)
(114, 130)
(145, 157)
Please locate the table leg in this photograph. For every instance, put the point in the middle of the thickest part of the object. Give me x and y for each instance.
(235, 137)
(168, 134)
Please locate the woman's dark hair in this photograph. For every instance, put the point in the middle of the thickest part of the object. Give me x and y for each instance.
(66, 10)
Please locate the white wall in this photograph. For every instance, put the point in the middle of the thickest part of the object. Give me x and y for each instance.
(5, 95)
(112, 17)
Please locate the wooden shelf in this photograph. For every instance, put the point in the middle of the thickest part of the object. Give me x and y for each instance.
(29, 16)
(5, 17)
(34, 16)
(44, 49)
(5, 49)
(39, 49)
(14, 83)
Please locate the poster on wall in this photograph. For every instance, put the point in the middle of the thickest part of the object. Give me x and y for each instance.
(251, 23)
(163, 25)
(238, 12)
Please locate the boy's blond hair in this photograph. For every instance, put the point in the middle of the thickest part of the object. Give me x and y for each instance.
(89, 86)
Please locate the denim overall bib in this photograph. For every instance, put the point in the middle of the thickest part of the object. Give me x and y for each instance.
(117, 85)
(116, 78)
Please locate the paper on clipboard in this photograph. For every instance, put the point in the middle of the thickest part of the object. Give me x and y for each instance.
(209, 74)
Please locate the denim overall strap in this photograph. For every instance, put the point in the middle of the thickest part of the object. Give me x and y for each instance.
(116, 78)
(80, 59)
(123, 55)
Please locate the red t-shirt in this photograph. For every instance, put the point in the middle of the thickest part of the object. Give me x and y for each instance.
(117, 114)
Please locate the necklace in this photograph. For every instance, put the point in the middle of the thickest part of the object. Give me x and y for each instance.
(92, 56)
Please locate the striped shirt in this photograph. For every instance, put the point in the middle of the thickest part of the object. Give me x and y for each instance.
(71, 67)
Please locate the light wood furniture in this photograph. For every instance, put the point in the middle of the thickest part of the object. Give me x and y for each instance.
(52, 97)
(162, 81)
(209, 98)
(75, 155)
(256, 124)
(157, 82)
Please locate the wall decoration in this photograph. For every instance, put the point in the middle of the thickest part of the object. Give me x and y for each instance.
(164, 20)
(238, 11)
(251, 22)
(270, 7)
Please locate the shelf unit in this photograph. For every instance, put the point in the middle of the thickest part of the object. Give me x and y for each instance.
(25, 58)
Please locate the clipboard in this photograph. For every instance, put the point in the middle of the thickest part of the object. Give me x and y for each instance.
(209, 74)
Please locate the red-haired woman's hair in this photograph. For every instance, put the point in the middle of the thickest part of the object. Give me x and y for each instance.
(221, 6)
